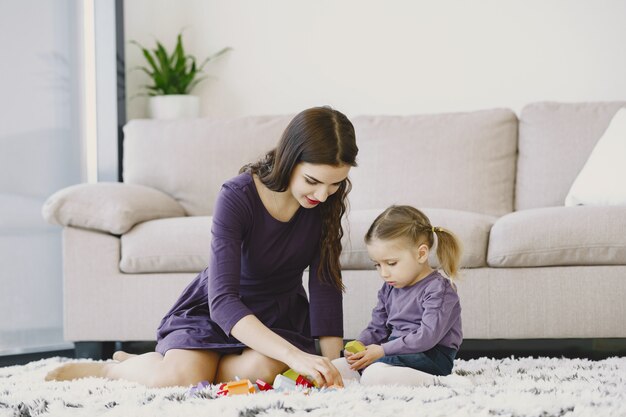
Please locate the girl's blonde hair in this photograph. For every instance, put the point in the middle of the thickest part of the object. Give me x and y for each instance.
(409, 223)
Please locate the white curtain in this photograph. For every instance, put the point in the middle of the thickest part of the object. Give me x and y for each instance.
(40, 152)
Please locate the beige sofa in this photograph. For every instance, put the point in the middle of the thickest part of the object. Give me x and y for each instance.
(533, 268)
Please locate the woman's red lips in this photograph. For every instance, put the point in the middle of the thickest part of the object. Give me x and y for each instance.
(314, 202)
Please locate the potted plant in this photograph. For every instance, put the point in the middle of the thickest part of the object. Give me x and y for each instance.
(173, 77)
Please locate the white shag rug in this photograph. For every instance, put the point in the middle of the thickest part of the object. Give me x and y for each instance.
(483, 387)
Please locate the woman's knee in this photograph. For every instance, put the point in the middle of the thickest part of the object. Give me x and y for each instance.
(186, 367)
(249, 365)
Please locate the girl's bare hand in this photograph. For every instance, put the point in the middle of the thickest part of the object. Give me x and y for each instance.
(350, 358)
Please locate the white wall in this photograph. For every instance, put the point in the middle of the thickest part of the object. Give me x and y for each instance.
(389, 57)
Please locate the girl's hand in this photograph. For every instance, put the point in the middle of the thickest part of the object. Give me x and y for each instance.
(365, 358)
(349, 357)
(317, 368)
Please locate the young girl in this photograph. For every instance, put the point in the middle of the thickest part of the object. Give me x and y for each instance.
(247, 314)
(415, 329)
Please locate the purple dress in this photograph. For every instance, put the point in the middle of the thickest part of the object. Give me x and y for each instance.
(255, 267)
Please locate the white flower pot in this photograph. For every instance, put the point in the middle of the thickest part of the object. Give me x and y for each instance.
(174, 106)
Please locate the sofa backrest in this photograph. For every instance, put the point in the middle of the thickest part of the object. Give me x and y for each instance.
(462, 161)
(190, 159)
(555, 141)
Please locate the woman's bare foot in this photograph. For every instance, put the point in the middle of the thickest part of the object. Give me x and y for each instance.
(121, 356)
(71, 371)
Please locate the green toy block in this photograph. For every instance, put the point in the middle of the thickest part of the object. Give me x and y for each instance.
(354, 347)
(291, 374)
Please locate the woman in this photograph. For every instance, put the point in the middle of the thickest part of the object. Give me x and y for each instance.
(247, 314)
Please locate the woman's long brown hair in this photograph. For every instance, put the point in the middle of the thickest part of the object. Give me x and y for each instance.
(320, 135)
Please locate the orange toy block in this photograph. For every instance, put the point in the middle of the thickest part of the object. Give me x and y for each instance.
(240, 387)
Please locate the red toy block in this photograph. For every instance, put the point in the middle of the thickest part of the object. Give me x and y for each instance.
(304, 382)
(263, 386)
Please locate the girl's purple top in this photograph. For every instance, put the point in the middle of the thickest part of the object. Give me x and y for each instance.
(256, 265)
(417, 317)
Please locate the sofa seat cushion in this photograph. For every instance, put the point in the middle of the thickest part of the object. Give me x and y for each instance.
(471, 228)
(179, 244)
(582, 235)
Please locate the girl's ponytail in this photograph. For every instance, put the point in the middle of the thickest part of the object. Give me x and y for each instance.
(448, 251)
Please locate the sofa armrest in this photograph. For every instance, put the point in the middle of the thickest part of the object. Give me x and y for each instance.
(109, 206)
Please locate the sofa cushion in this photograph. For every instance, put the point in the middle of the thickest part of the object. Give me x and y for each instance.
(182, 244)
(582, 235)
(190, 159)
(459, 161)
(111, 207)
(471, 228)
(555, 140)
(167, 245)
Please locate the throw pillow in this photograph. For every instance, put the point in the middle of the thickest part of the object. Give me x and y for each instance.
(109, 207)
(601, 181)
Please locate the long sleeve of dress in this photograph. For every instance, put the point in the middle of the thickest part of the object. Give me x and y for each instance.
(438, 304)
(230, 221)
(376, 331)
(325, 305)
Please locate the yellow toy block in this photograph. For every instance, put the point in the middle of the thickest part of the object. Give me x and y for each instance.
(354, 347)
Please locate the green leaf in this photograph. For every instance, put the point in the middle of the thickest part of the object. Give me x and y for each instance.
(175, 73)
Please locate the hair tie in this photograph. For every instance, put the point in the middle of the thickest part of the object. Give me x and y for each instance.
(434, 229)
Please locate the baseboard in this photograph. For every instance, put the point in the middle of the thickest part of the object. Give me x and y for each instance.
(595, 349)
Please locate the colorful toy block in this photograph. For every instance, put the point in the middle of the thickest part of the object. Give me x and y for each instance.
(241, 387)
(293, 375)
(354, 346)
(201, 385)
(282, 383)
(263, 386)
(304, 382)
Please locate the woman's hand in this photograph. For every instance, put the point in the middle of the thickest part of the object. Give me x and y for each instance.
(364, 358)
(317, 368)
